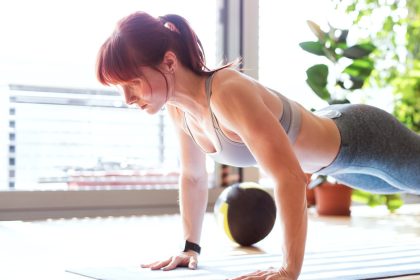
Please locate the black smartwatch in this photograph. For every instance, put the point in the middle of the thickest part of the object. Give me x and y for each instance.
(192, 246)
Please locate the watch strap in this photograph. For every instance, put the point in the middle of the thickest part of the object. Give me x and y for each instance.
(192, 246)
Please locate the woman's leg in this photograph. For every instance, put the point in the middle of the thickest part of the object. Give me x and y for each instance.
(367, 183)
(375, 144)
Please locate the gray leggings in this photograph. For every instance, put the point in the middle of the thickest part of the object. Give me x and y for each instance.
(377, 154)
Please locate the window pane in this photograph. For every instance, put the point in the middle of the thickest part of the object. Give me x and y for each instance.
(62, 129)
(282, 63)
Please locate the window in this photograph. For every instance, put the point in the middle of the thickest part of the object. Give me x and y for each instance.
(54, 113)
(64, 130)
(282, 63)
(86, 139)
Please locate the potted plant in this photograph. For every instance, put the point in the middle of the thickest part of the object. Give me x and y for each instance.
(332, 198)
(310, 192)
(352, 65)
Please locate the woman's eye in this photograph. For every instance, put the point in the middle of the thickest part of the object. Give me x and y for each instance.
(132, 99)
(136, 83)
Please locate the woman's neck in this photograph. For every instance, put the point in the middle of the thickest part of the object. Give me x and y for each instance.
(189, 94)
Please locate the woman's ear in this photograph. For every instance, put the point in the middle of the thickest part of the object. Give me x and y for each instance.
(170, 62)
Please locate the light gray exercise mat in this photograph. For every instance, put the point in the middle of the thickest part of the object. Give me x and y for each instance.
(361, 263)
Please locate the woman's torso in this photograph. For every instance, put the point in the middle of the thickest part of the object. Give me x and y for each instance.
(315, 146)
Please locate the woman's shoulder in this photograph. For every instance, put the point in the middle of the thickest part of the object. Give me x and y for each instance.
(233, 91)
(230, 81)
(228, 75)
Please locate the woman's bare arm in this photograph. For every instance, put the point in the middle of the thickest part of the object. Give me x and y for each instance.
(240, 109)
(193, 191)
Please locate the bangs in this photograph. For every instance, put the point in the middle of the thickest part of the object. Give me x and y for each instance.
(115, 63)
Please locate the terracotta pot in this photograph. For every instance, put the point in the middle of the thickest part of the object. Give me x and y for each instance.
(310, 197)
(310, 193)
(333, 199)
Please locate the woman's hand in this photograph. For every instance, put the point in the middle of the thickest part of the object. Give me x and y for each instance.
(269, 274)
(185, 259)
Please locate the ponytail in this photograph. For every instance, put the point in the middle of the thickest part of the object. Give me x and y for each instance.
(186, 44)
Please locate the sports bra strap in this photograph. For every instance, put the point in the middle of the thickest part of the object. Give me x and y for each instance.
(290, 119)
(286, 117)
(209, 81)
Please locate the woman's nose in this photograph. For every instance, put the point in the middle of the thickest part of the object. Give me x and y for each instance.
(131, 99)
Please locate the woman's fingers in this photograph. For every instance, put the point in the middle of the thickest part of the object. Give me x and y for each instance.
(177, 260)
(193, 262)
(148, 265)
(160, 264)
(183, 259)
(270, 274)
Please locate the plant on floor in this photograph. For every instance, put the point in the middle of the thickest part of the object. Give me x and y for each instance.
(352, 66)
(391, 201)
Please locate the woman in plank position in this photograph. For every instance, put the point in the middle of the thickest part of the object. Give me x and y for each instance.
(227, 115)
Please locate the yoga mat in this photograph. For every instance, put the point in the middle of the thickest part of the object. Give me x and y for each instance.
(361, 263)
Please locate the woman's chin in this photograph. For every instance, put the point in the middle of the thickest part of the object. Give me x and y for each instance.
(151, 111)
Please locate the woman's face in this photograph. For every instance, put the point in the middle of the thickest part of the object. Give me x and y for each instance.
(149, 92)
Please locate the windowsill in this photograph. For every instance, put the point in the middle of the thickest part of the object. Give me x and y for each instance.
(35, 205)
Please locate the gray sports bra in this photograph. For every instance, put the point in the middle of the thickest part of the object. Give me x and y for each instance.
(236, 153)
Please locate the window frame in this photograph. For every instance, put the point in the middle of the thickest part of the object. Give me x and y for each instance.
(33, 205)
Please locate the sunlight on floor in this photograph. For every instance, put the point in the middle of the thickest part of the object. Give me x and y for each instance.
(45, 248)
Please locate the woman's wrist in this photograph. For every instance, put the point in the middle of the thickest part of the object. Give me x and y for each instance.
(289, 273)
(191, 246)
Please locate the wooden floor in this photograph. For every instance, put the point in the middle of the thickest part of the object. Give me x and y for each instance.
(44, 249)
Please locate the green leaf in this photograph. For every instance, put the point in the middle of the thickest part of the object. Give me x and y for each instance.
(317, 30)
(360, 196)
(343, 36)
(318, 74)
(356, 83)
(393, 202)
(341, 46)
(318, 79)
(313, 47)
(360, 68)
(351, 8)
(359, 51)
(322, 92)
(376, 200)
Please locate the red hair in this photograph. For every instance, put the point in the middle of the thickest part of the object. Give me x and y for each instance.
(142, 40)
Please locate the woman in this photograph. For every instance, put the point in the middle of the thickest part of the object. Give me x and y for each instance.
(222, 113)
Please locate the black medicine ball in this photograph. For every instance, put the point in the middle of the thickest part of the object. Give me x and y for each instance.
(246, 212)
